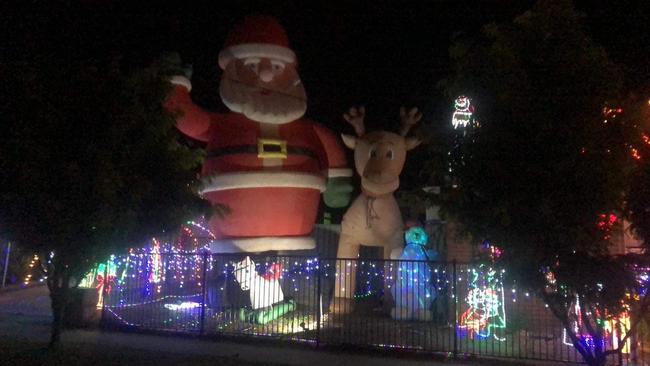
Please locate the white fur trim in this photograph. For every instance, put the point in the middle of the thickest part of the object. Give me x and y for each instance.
(247, 50)
(339, 172)
(221, 182)
(349, 141)
(262, 244)
(181, 80)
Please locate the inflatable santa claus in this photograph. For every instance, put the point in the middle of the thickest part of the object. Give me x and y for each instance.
(265, 161)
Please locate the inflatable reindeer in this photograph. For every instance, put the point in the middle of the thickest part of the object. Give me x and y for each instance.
(373, 219)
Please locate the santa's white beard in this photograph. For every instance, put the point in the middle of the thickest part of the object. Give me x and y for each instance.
(273, 108)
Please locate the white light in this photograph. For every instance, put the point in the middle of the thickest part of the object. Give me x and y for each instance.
(461, 119)
(182, 306)
(463, 112)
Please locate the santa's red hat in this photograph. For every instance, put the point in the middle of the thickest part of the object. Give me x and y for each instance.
(257, 36)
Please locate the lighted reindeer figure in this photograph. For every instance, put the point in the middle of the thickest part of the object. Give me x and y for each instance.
(374, 218)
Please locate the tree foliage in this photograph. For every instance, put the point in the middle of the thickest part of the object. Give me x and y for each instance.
(91, 163)
(543, 165)
(638, 199)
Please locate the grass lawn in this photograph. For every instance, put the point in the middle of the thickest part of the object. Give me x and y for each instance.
(24, 353)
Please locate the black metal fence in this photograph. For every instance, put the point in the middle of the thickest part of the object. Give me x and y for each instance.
(436, 307)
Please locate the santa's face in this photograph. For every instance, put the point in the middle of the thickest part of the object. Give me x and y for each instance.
(264, 90)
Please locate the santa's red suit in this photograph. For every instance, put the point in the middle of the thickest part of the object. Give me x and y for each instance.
(269, 175)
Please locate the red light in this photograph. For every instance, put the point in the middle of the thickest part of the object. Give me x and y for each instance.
(612, 219)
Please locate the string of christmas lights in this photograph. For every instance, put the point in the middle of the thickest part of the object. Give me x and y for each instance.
(485, 304)
(32, 269)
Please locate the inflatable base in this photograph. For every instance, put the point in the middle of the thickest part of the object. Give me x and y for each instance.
(342, 305)
(268, 314)
(261, 244)
(422, 315)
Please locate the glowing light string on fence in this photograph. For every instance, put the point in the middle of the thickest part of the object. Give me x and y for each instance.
(185, 305)
(155, 262)
(127, 305)
(145, 267)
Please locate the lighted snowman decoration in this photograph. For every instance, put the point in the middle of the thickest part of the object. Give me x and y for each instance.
(463, 111)
(413, 290)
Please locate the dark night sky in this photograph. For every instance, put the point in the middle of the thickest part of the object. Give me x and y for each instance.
(381, 54)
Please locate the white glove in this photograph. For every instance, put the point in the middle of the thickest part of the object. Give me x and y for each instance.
(181, 80)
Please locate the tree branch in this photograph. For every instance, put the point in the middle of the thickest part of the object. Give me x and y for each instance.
(642, 310)
(562, 316)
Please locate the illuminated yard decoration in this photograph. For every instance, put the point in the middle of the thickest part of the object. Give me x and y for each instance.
(414, 291)
(606, 224)
(265, 292)
(145, 265)
(576, 324)
(614, 329)
(155, 262)
(485, 298)
(610, 115)
(464, 127)
(374, 218)
(463, 112)
(102, 278)
(617, 328)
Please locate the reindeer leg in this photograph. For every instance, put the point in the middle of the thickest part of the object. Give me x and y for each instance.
(392, 246)
(346, 275)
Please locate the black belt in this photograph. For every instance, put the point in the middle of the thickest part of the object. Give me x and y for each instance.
(253, 149)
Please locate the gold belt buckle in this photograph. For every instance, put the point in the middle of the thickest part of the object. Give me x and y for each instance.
(271, 148)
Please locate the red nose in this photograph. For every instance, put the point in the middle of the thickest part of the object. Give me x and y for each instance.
(266, 75)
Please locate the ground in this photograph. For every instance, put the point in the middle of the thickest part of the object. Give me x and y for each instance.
(26, 353)
(24, 331)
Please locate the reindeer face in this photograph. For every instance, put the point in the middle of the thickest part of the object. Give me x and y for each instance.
(379, 156)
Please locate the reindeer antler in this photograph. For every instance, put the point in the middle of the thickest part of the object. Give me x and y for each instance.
(408, 120)
(355, 117)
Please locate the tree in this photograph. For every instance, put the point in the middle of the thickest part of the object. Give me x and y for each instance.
(545, 172)
(638, 200)
(91, 164)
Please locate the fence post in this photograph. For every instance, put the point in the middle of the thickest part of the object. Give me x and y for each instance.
(204, 291)
(6, 266)
(620, 356)
(455, 296)
(319, 298)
